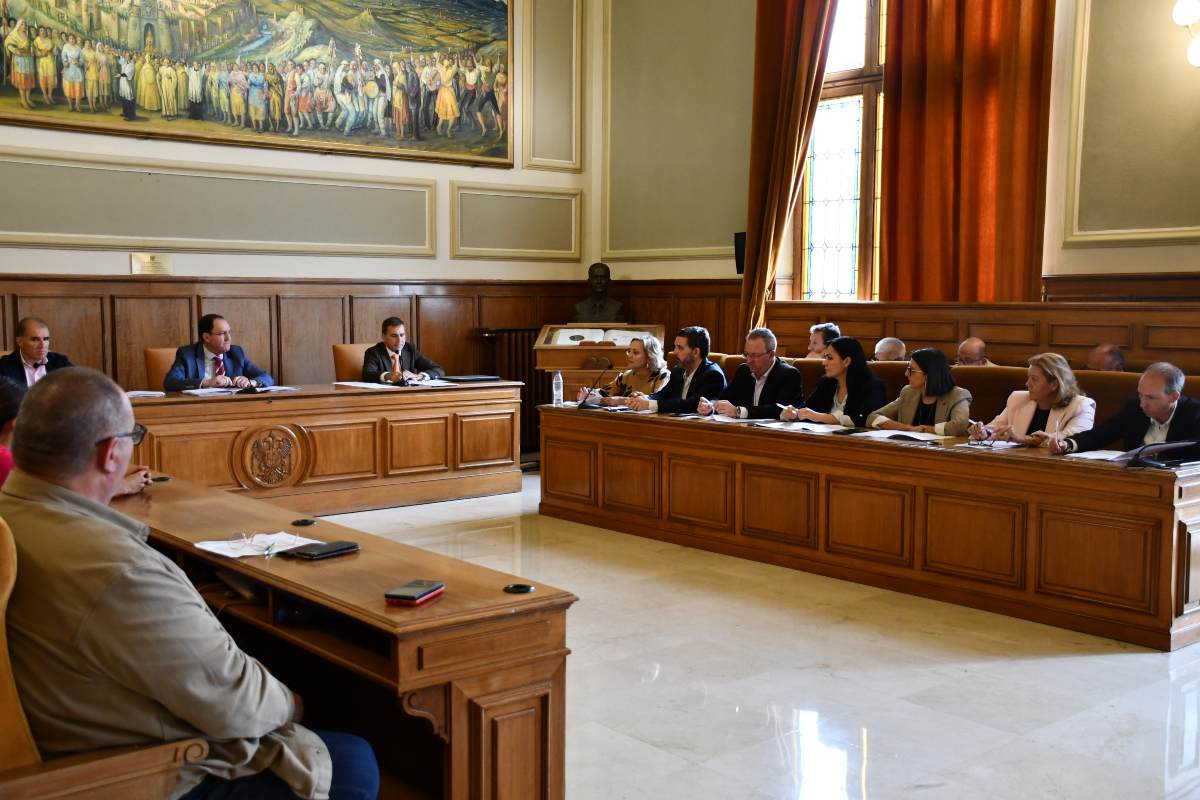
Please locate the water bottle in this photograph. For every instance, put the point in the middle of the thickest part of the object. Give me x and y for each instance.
(556, 388)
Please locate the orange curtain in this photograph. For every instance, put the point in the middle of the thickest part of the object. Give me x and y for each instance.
(791, 43)
(966, 109)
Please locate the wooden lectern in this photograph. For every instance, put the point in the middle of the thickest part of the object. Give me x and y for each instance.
(583, 350)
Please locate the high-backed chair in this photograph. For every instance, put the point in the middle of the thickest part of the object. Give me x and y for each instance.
(158, 364)
(348, 360)
(121, 773)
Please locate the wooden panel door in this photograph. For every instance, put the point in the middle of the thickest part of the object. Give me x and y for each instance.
(308, 328)
(141, 322)
(78, 326)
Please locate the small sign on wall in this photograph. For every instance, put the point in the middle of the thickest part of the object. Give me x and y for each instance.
(149, 264)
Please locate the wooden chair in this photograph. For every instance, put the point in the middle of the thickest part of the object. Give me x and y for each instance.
(122, 773)
(158, 364)
(348, 360)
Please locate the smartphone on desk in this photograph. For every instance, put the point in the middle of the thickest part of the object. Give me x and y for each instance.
(414, 593)
(312, 552)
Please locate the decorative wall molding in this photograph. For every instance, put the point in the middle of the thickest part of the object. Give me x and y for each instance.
(458, 220)
(531, 159)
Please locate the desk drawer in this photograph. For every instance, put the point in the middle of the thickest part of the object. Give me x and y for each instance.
(482, 646)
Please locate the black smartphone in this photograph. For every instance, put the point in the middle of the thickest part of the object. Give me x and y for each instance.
(312, 552)
(414, 593)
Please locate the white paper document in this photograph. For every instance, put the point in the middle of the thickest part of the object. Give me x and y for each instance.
(140, 393)
(577, 335)
(801, 425)
(279, 388)
(209, 392)
(723, 418)
(362, 385)
(432, 382)
(991, 445)
(260, 544)
(901, 436)
(1098, 455)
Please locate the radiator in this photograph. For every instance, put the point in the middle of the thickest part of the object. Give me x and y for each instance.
(514, 360)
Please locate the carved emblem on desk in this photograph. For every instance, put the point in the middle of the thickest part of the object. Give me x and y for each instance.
(270, 457)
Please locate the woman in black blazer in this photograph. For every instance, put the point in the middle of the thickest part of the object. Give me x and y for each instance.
(848, 392)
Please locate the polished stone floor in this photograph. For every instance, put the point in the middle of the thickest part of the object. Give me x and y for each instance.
(696, 676)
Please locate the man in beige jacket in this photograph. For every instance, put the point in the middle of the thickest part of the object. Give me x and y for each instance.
(110, 642)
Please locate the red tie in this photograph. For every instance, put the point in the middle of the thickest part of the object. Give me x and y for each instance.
(218, 366)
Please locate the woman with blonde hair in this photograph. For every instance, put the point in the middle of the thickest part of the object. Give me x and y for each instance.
(1052, 404)
(646, 375)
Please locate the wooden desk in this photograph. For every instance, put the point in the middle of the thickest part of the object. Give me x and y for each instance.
(1078, 544)
(325, 449)
(484, 668)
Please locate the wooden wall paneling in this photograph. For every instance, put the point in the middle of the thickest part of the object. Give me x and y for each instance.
(448, 332)
(632, 480)
(78, 326)
(705, 308)
(252, 322)
(342, 451)
(569, 470)
(200, 456)
(869, 520)
(701, 492)
(780, 505)
(307, 328)
(486, 438)
(657, 310)
(731, 338)
(148, 321)
(367, 313)
(506, 311)
(1123, 287)
(418, 444)
(560, 309)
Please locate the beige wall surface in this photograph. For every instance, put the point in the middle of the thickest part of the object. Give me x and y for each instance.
(679, 114)
(385, 233)
(1139, 153)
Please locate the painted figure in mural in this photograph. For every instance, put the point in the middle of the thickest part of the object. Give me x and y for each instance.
(147, 84)
(72, 73)
(19, 47)
(239, 85)
(43, 50)
(256, 98)
(447, 103)
(91, 75)
(168, 89)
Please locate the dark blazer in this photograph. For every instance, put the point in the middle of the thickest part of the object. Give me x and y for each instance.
(783, 385)
(709, 381)
(11, 366)
(188, 370)
(1130, 424)
(860, 402)
(378, 360)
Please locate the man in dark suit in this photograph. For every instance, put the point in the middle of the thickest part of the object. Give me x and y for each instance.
(694, 378)
(1159, 413)
(759, 384)
(214, 361)
(396, 359)
(32, 359)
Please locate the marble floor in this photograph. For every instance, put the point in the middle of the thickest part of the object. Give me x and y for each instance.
(696, 675)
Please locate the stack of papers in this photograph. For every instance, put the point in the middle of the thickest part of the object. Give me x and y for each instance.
(362, 385)
(902, 436)
(277, 542)
(140, 393)
(279, 388)
(1098, 455)
(432, 382)
(723, 418)
(802, 426)
(210, 391)
(991, 445)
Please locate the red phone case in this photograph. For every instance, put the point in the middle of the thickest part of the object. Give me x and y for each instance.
(395, 601)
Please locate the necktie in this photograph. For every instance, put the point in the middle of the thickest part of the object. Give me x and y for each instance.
(218, 366)
(395, 362)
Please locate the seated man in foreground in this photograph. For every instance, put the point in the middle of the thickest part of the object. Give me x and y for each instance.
(761, 386)
(1159, 413)
(693, 379)
(396, 359)
(111, 644)
(214, 361)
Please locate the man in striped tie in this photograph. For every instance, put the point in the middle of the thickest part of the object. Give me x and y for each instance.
(214, 361)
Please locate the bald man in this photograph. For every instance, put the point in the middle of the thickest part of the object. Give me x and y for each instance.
(889, 348)
(972, 352)
(1106, 358)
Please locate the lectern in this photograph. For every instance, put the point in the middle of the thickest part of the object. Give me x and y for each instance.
(583, 351)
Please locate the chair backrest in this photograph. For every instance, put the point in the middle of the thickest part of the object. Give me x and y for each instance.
(158, 363)
(17, 748)
(348, 360)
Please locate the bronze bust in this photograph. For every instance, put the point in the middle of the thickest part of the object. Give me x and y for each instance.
(599, 307)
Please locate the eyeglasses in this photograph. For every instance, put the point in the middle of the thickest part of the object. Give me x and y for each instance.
(266, 544)
(137, 434)
(911, 371)
(756, 355)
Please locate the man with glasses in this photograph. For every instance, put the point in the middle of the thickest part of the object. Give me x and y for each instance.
(694, 377)
(111, 645)
(214, 361)
(972, 352)
(761, 386)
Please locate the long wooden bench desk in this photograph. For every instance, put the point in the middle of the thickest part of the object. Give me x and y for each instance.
(326, 449)
(461, 698)
(1083, 545)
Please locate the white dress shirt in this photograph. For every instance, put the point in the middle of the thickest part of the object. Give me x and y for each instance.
(1157, 432)
(759, 383)
(33, 372)
(210, 369)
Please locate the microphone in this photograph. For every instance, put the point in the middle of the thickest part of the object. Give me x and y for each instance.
(587, 399)
(1140, 456)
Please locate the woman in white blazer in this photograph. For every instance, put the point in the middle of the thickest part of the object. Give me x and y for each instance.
(1051, 404)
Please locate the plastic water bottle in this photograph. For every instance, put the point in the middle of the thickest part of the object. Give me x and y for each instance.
(556, 388)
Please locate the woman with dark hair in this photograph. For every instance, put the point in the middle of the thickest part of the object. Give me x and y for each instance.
(931, 403)
(11, 394)
(847, 393)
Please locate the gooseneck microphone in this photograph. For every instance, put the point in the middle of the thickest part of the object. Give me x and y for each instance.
(587, 399)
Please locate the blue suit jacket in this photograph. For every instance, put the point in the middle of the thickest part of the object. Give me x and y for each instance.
(188, 370)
